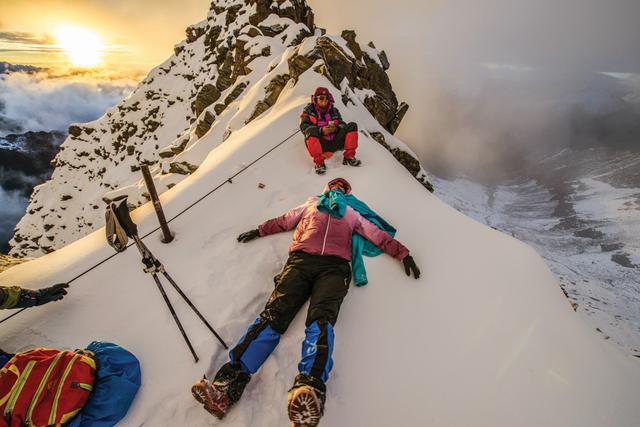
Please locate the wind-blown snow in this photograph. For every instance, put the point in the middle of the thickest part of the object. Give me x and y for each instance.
(485, 337)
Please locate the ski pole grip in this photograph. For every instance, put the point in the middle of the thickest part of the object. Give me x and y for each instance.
(167, 235)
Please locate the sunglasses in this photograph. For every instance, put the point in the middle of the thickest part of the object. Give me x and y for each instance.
(322, 97)
(336, 185)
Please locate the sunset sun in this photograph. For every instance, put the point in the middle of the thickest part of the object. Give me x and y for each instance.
(83, 47)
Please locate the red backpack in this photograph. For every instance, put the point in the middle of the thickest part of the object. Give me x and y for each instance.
(45, 387)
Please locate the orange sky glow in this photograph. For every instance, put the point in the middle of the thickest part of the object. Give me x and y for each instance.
(116, 37)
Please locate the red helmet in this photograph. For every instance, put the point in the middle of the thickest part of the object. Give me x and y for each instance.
(321, 91)
(342, 183)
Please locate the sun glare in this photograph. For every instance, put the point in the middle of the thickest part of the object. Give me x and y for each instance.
(83, 46)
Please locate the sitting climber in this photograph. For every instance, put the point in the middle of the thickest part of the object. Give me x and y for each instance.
(17, 297)
(325, 132)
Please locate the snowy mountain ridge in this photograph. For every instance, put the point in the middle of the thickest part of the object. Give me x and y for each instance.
(230, 70)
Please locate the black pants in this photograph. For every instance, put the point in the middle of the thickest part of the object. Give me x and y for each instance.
(337, 143)
(322, 279)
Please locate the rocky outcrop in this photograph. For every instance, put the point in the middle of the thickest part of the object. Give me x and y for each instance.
(407, 160)
(361, 72)
(207, 95)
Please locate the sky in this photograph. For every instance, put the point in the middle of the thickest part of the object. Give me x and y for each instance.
(137, 35)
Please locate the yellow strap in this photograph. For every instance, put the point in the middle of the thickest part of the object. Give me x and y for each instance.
(54, 408)
(3, 371)
(17, 388)
(43, 383)
(67, 417)
(89, 361)
(13, 368)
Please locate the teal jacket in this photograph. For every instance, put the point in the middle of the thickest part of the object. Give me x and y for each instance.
(335, 203)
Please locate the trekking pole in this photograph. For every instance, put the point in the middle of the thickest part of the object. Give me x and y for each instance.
(168, 236)
(185, 297)
(152, 266)
(119, 227)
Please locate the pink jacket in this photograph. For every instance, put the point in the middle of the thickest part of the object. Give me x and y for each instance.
(319, 233)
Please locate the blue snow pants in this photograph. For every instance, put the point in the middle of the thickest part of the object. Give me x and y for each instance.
(321, 279)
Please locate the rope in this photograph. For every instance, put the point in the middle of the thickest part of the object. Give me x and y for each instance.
(227, 181)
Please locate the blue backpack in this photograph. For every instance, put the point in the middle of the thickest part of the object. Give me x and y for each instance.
(116, 384)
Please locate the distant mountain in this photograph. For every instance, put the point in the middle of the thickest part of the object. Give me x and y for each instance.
(7, 67)
(25, 162)
(26, 159)
(580, 209)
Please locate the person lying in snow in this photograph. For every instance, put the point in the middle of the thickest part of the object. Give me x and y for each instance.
(325, 132)
(317, 268)
(17, 297)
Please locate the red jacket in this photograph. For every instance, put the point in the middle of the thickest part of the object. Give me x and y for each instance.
(319, 233)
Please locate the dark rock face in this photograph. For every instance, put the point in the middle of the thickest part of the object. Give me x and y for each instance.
(361, 72)
(207, 95)
(205, 124)
(273, 90)
(407, 160)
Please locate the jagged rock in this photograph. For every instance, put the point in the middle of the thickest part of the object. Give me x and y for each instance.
(383, 59)
(350, 37)
(393, 125)
(212, 37)
(232, 13)
(219, 108)
(262, 11)
(272, 90)
(253, 32)
(235, 93)
(217, 9)
(225, 72)
(194, 33)
(75, 130)
(273, 30)
(407, 160)
(298, 64)
(239, 66)
(182, 168)
(205, 124)
(207, 95)
(299, 12)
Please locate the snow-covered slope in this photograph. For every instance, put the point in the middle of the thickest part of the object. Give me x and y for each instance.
(485, 337)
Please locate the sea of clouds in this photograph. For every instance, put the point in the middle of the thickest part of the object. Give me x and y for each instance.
(44, 102)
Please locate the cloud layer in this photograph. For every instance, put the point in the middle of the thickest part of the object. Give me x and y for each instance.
(490, 82)
(42, 102)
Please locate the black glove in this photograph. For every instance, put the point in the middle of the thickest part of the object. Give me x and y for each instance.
(30, 298)
(247, 236)
(410, 266)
